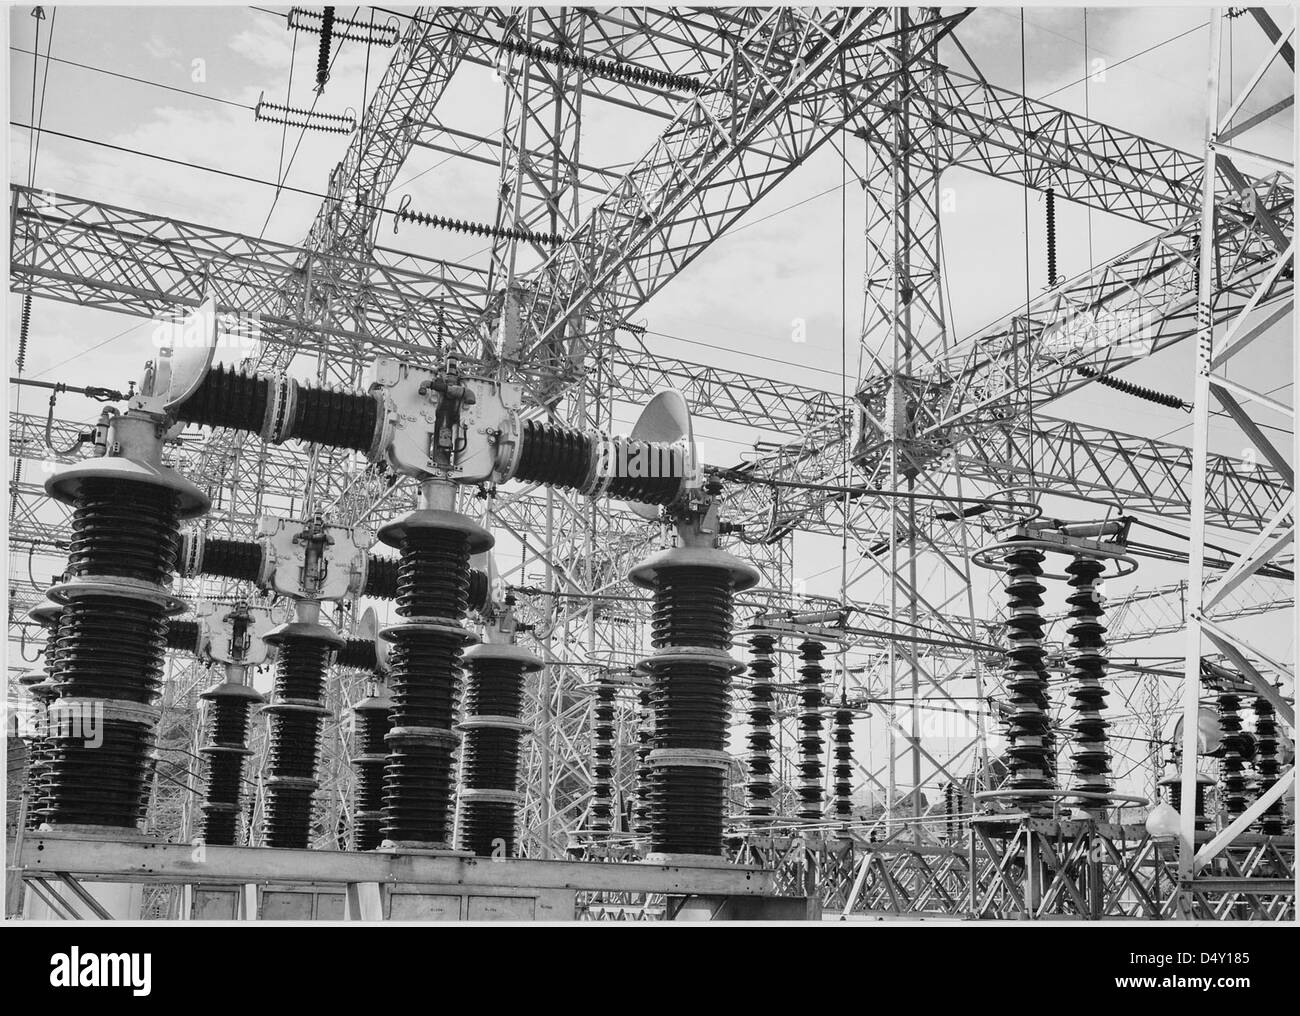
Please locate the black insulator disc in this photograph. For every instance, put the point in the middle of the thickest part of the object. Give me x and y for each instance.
(691, 704)
(489, 758)
(232, 559)
(1030, 754)
(357, 654)
(381, 578)
(227, 398)
(294, 741)
(653, 473)
(183, 635)
(110, 648)
(126, 529)
(336, 419)
(370, 728)
(418, 781)
(287, 812)
(99, 784)
(433, 575)
(494, 687)
(554, 455)
(686, 809)
(487, 828)
(300, 668)
(228, 721)
(424, 679)
(692, 607)
(479, 590)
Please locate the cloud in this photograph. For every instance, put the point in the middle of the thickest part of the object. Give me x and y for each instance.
(159, 49)
(264, 46)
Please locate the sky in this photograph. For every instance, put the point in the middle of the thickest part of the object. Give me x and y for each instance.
(733, 307)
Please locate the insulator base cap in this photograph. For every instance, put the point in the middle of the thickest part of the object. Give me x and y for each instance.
(65, 484)
(394, 533)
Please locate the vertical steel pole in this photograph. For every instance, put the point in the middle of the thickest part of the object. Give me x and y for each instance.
(1200, 443)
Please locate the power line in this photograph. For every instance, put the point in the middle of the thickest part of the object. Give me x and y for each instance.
(182, 162)
(301, 134)
(1118, 63)
(131, 77)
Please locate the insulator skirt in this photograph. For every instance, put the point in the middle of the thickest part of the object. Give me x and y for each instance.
(126, 529)
(843, 772)
(433, 574)
(336, 419)
(490, 755)
(687, 804)
(1232, 766)
(487, 828)
(357, 654)
(644, 745)
(370, 754)
(294, 741)
(227, 398)
(692, 607)
(602, 751)
(418, 794)
(662, 468)
(556, 455)
(811, 744)
(1267, 763)
(227, 729)
(232, 559)
(691, 701)
(560, 456)
(1175, 791)
(381, 578)
(110, 648)
(1031, 750)
(183, 635)
(1089, 755)
(106, 784)
(424, 679)
(761, 696)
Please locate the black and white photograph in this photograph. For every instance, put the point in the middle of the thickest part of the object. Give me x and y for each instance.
(716, 466)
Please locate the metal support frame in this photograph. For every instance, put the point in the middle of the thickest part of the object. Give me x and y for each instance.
(356, 297)
(1211, 355)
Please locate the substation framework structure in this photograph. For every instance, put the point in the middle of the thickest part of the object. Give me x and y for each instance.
(745, 96)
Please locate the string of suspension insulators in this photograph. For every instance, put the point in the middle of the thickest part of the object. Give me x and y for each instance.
(1129, 388)
(323, 54)
(301, 20)
(1030, 741)
(811, 745)
(761, 694)
(23, 326)
(600, 68)
(1051, 237)
(1266, 763)
(1089, 754)
(307, 119)
(404, 214)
